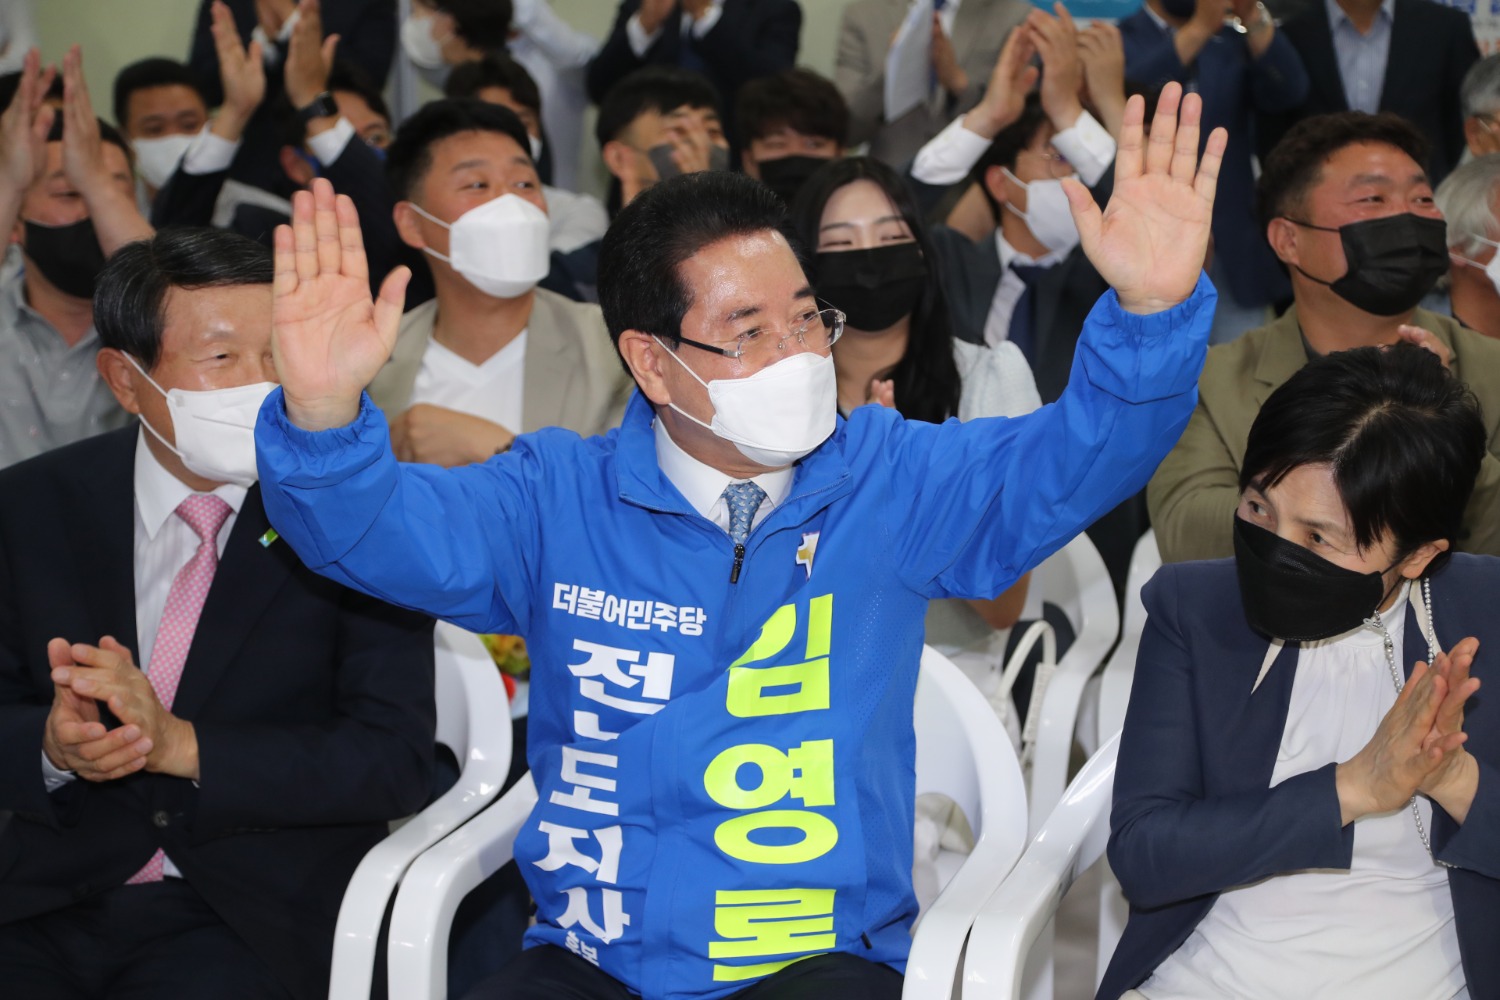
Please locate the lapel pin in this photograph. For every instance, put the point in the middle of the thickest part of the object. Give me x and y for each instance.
(269, 537)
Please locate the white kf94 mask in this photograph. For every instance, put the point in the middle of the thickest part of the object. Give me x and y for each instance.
(501, 247)
(214, 428)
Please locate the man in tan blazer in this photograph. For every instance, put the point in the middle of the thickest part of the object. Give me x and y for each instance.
(964, 52)
(1322, 187)
(492, 356)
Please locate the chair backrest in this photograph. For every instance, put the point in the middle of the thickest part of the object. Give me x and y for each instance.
(471, 706)
(1119, 672)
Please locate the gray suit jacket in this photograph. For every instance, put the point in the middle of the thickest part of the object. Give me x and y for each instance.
(979, 30)
(573, 376)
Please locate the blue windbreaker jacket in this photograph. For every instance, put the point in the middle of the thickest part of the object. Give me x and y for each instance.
(725, 769)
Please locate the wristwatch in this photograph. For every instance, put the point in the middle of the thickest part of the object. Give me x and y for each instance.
(322, 106)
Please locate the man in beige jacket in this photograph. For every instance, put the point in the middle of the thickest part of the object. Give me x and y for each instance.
(1348, 208)
(492, 356)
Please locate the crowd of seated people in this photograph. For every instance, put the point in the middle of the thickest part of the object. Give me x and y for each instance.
(290, 368)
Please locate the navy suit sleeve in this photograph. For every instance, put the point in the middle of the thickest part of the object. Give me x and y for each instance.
(1278, 80)
(1170, 839)
(23, 718)
(615, 59)
(1476, 844)
(1150, 57)
(742, 46)
(187, 199)
(1463, 53)
(372, 762)
(359, 174)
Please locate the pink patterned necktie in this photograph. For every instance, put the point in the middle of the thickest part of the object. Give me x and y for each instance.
(205, 514)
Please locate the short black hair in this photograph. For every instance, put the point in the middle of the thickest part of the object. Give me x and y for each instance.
(410, 155)
(483, 24)
(1403, 436)
(153, 72)
(130, 298)
(1295, 165)
(352, 79)
(9, 84)
(107, 132)
(654, 88)
(794, 98)
(640, 261)
(1008, 145)
(495, 70)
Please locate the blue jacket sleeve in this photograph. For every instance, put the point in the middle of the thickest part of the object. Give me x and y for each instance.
(982, 502)
(458, 544)
(1170, 838)
(1150, 57)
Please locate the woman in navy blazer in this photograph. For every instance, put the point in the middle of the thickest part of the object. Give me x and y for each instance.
(1390, 438)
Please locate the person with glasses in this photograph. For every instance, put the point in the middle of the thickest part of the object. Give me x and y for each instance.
(736, 575)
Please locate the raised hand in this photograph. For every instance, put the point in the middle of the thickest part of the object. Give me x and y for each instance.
(1102, 51)
(24, 127)
(1010, 81)
(1062, 69)
(309, 57)
(1149, 243)
(83, 159)
(653, 13)
(242, 71)
(272, 14)
(328, 339)
(945, 60)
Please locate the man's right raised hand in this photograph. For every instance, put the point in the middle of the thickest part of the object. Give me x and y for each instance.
(327, 337)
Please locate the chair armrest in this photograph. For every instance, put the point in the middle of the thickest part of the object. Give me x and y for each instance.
(435, 885)
(1061, 701)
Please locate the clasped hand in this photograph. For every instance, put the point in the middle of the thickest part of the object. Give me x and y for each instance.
(149, 737)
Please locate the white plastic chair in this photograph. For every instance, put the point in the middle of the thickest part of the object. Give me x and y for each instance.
(473, 720)
(962, 752)
(1017, 915)
(1114, 683)
(1076, 581)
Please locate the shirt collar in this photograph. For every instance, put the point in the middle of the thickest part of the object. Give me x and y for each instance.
(1010, 255)
(1161, 22)
(158, 493)
(1337, 16)
(702, 485)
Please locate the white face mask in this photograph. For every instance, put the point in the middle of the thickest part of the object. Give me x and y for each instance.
(1492, 269)
(501, 247)
(776, 416)
(421, 46)
(1047, 214)
(157, 159)
(214, 428)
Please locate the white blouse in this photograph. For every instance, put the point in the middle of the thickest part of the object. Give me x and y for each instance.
(1382, 928)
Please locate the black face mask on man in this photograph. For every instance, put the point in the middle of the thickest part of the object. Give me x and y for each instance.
(68, 256)
(787, 174)
(1392, 261)
(875, 288)
(1291, 593)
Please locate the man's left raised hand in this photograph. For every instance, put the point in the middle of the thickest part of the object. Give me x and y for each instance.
(1150, 241)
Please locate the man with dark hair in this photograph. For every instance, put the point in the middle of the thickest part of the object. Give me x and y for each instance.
(663, 576)
(658, 123)
(67, 201)
(159, 107)
(1348, 208)
(577, 219)
(789, 125)
(191, 825)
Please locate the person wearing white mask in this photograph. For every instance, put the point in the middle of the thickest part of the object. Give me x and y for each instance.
(1469, 199)
(160, 108)
(228, 733)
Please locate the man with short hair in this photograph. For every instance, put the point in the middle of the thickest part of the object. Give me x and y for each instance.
(789, 125)
(67, 201)
(1470, 201)
(159, 107)
(191, 825)
(1348, 208)
(737, 575)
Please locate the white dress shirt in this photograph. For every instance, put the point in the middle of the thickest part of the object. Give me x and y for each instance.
(702, 486)
(1008, 292)
(1382, 928)
(951, 154)
(494, 389)
(164, 544)
(640, 41)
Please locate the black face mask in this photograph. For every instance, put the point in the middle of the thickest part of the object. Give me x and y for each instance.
(1290, 593)
(787, 175)
(1393, 261)
(875, 288)
(68, 256)
(661, 159)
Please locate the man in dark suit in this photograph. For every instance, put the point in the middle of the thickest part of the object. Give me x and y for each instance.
(191, 827)
(1428, 49)
(728, 41)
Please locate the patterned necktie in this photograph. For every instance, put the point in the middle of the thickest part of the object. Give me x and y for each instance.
(205, 514)
(1022, 331)
(743, 500)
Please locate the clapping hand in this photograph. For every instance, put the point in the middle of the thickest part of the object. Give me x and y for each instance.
(328, 339)
(1010, 81)
(75, 740)
(1453, 782)
(1062, 67)
(1150, 242)
(24, 127)
(242, 72)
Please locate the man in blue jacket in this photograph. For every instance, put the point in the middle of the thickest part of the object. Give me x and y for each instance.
(663, 575)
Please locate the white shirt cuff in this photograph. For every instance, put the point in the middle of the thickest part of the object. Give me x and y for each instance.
(285, 34)
(1088, 147)
(950, 155)
(269, 52)
(639, 40)
(208, 154)
(330, 145)
(706, 23)
(55, 777)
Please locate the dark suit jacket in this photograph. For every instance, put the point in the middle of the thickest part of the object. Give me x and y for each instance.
(1234, 87)
(1193, 810)
(1432, 47)
(753, 38)
(313, 707)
